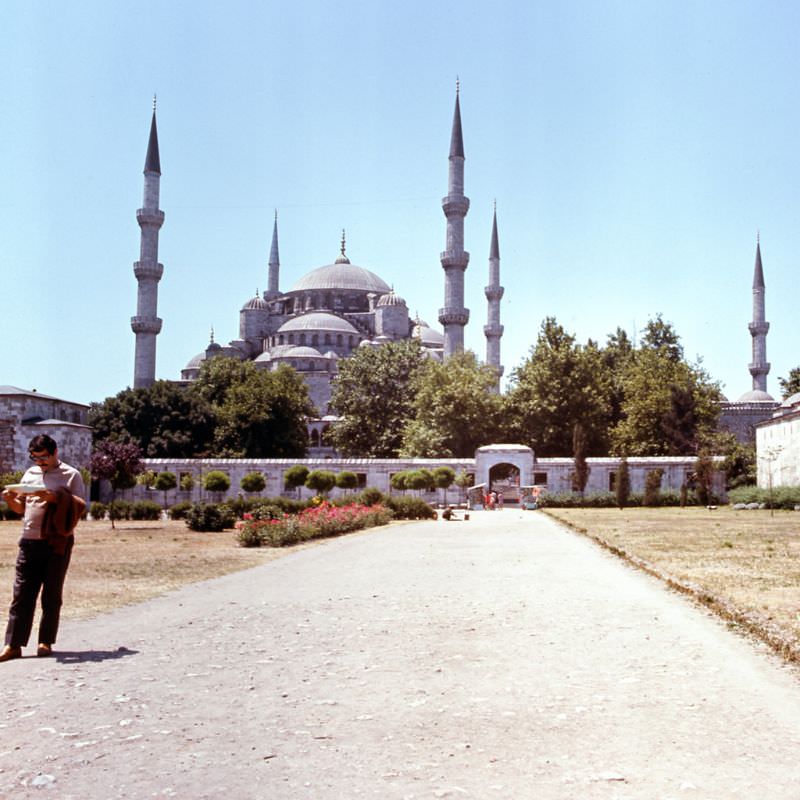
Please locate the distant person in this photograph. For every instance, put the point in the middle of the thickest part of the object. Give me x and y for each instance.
(500, 499)
(51, 510)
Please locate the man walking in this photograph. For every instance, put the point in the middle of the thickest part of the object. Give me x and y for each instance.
(51, 499)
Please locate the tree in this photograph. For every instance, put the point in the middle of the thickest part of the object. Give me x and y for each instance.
(399, 480)
(164, 482)
(372, 394)
(419, 480)
(791, 384)
(443, 478)
(346, 480)
(703, 475)
(187, 482)
(260, 413)
(295, 476)
(560, 384)
(118, 463)
(253, 482)
(652, 487)
(321, 481)
(662, 337)
(580, 473)
(164, 420)
(622, 489)
(216, 482)
(670, 407)
(455, 408)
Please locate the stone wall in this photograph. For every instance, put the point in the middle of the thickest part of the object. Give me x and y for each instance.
(551, 473)
(778, 450)
(741, 419)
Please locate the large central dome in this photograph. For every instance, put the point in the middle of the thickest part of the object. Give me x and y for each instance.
(341, 276)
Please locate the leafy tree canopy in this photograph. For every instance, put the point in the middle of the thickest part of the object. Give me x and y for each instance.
(372, 393)
(791, 384)
(561, 384)
(455, 408)
(164, 420)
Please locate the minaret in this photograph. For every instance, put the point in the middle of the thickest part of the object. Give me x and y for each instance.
(274, 264)
(759, 368)
(146, 325)
(494, 292)
(453, 317)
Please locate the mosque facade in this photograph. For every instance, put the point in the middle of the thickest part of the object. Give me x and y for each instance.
(330, 311)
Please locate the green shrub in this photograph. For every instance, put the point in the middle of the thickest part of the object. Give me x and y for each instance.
(98, 510)
(179, 510)
(7, 478)
(372, 496)
(295, 476)
(209, 517)
(253, 482)
(410, 508)
(187, 482)
(783, 497)
(346, 480)
(652, 487)
(321, 481)
(119, 509)
(216, 481)
(145, 509)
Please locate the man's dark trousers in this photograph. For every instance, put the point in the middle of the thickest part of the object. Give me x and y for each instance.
(38, 567)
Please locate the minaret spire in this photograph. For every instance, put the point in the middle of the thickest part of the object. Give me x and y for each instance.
(453, 317)
(146, 324)
(759, 327)
(493, 330)
(274, 263)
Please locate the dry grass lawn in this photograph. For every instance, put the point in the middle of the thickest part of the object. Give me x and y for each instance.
(136, 561)
(743, 564)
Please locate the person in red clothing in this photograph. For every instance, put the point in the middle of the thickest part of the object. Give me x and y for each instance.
(51, 499)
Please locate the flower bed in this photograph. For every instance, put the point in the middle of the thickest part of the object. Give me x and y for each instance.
(311, 523)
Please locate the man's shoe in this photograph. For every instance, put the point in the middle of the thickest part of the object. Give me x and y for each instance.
(44, 650)
(10, 652)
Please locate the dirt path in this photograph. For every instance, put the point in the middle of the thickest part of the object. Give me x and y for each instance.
(503, 657)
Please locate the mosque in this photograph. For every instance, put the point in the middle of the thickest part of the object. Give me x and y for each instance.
(336, 308)
(332, 310)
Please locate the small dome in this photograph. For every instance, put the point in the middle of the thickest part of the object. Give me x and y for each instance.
(195, 362)
(391, 299)
(756, 396)
(330, 355)
(428, 336)
(317, 321)
(256, 304)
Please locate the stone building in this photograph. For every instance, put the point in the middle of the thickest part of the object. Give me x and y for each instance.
(778, 446)
(25, 414)
(329, 312)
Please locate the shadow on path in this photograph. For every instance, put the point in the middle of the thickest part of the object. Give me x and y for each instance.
(82, 656)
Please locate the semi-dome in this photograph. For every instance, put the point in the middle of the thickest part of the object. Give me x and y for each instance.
(756, 396)
(256, 304)
(197, 361)
(342, 276)
(300, 351)
(391, 299)
(428, 336)
(317, 321)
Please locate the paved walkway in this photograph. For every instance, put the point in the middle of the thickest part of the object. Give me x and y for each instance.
(503, 657)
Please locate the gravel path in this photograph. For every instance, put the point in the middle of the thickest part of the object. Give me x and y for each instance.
(503, 657)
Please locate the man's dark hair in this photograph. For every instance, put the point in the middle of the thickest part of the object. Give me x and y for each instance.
(42, 442)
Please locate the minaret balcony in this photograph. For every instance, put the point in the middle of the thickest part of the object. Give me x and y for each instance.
(758, 328)
(455, 205)
(454, 258)
(150, 216)
(759, 369)
(493, 330)
(148, 269)
(494, 292)
(453, 316)
(145, 324)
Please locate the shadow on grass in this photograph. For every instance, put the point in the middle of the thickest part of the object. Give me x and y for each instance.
(83, 656)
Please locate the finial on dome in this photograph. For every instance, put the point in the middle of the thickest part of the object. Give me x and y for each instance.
(212, 335)
(342, 259)
(343, 242)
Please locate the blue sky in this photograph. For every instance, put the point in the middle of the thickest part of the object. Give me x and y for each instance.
(634, 150)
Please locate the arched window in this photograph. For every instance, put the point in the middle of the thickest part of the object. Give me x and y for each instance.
(291, 338)
(327, 338)
(315, 340)
(312, 365)
(302, 338)
(339, 339)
